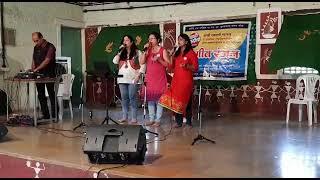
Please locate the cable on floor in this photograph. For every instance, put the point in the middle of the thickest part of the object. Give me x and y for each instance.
(44, 129)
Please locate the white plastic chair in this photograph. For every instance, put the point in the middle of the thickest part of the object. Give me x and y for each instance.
(305, 95)
(65, 93)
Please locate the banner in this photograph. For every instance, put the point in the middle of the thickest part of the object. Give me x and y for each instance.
(298, 43)
(222, 50)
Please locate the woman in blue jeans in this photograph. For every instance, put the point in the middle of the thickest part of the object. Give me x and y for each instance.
(156, 59)
(129, 78)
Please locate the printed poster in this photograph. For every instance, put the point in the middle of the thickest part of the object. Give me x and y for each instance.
(222, 49)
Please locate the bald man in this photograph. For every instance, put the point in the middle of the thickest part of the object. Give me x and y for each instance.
(44, 62)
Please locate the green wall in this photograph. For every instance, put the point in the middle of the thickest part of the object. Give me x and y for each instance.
(71, 47)
(106, 45)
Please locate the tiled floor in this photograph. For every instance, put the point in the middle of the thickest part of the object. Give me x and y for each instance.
(246, 146)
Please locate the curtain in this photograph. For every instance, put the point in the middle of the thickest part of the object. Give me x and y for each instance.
(298, 43)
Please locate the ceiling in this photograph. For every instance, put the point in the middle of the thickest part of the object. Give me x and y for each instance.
(90, 3)
(102, 6)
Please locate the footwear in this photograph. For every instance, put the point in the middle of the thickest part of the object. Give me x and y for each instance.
(177, 126)
(133, 122)
(156, 124)
(122, 120)
(149, 123)
(188, 126)
(53, 115)
(44, 117)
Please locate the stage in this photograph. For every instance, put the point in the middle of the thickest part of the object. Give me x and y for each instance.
(246, 146)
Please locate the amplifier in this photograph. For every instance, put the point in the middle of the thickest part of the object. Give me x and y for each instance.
(115, 144)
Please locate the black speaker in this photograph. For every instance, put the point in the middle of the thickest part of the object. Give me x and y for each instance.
(3, 103)
(115, 144)
(3, 131)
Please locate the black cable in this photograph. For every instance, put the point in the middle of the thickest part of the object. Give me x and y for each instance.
(18, 95)
(101, 170)
(9, 94)
(59, 133)
(115, 167)
(62, 134)
(91, 165)
(165, 136)
(14, 95)
(66, 130)
(2, 37)
(88, 170)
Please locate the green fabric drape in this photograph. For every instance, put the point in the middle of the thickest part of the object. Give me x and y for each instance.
(251, 73)
(106, 45)
(298, 43)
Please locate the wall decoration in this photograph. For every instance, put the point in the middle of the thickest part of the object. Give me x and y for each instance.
(222, 49)
(268, 25)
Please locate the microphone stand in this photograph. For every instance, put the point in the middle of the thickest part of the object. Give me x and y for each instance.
(200, 137)
(107, 118)
(90, 74)
(81, 106)
(116, 99)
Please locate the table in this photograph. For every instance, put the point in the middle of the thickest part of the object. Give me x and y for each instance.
(35, 81)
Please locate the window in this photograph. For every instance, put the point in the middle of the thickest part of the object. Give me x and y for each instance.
(10, 36)
(299, 70)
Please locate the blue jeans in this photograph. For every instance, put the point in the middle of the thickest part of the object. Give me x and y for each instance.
(155, 111)
(129, 96)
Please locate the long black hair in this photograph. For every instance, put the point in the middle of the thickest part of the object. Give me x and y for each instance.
(133, 49)
(188, 45)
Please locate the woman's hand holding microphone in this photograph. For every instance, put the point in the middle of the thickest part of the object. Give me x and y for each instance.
(145, 48)
(121, 48)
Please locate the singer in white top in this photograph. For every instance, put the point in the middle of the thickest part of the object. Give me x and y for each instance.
(129, 76)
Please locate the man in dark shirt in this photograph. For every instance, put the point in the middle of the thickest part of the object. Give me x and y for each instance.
(44, 62)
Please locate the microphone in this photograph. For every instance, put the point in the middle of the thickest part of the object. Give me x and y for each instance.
(146, 48)
(175, 48)
(121, 47)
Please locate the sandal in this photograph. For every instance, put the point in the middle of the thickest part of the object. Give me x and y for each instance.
(188, 126)
(177, 126)
(149, 123)
(123, 120)
(156, 124)
(133, 122)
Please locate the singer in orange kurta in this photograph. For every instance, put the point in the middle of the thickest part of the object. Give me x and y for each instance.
(176, 98)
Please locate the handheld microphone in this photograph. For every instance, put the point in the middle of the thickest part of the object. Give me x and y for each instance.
(175, 48)
(121, 47)
(146, 48)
